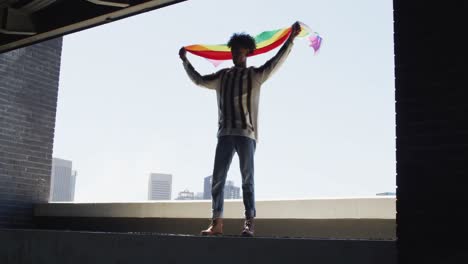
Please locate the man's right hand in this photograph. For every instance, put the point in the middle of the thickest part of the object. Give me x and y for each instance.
(183, 54)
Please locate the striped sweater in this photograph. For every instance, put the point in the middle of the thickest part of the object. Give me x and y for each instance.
(238, 93)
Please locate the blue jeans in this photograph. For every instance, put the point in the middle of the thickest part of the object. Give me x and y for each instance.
(245, 148)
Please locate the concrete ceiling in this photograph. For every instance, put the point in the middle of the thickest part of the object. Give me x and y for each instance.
(24, 22)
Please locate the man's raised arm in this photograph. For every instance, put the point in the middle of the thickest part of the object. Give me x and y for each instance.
(210, 81)
(267, 69)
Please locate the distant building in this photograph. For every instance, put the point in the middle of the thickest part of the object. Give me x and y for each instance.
(160, 186)
(207, 188)
(63, 179)
(198, 196)
(386, 194)
(185, 195)
(230, 190)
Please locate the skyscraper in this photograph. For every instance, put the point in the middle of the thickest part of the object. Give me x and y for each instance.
(207, 187)
(160, 186)
(63, 180)
(230, 190)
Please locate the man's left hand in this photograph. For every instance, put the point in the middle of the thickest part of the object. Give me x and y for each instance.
(295, 30)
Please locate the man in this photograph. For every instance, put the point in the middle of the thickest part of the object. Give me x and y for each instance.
(238, 91)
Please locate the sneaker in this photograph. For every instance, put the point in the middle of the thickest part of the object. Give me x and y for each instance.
(215, 228)
(248, 230)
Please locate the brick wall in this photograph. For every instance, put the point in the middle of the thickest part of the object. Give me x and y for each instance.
(28, 99)
(432, 131)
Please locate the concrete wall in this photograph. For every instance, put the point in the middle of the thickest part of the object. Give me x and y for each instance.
(50, 247)
(351, 218)
(320, 208)
(28, 99)
(432, 130)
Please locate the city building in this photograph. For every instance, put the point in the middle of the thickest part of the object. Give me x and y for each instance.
(207, 187)
(63, 179)
(230, 190)
(198, 196)
(185, 195)
(386, 194)
(160, 186)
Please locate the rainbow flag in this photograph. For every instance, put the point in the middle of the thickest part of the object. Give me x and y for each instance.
(265, 42)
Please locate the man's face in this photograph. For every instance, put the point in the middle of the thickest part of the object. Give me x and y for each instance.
(239, 55)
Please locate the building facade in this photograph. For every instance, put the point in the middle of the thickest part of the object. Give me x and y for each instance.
(207, 187)
(186, 195)
(29, 79)
(63, 180)
(160, 186)
(230, 190)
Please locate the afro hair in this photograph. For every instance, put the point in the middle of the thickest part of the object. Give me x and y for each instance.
(242, 40)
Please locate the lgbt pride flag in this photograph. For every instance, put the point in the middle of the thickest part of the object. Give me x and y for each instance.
(265, 42)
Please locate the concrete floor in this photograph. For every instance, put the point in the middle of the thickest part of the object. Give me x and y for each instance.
(69, 247)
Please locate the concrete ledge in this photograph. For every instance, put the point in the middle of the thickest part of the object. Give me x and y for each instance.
(375, 229)
(51, 247)
(357, 218)
(329, 208)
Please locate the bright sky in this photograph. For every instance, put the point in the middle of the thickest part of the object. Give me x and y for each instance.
(126, 107)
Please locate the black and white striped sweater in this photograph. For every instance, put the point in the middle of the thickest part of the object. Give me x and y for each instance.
(238, 92)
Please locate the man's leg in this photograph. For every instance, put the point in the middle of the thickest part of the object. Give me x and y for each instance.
(245, 148)
(223, 157)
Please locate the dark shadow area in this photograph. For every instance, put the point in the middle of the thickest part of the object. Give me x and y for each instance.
(24, 22)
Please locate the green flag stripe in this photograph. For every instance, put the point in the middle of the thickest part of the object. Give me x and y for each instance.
(265, 35)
